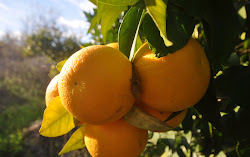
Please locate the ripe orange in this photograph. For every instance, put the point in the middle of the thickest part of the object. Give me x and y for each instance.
(117, 139)
(52, 90)
(163, 116)
(114, 45)
(173, 82)
(95, 85)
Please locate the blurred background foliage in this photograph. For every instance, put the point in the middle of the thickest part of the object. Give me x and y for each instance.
(28, 65)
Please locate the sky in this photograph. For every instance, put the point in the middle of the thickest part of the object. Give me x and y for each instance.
(68, 13)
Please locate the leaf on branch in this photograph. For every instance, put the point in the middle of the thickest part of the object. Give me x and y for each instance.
(208, 106)
(128, 30)
(243, 148)
(152, 34)
(93, 23)
(75, 142)
(180, 27)
(158, 11)
(56, 120)
(108, 13)
(179, 30)
(221, 30)
(60, 65)
(138, 43)
(119, 3)
(234, 83)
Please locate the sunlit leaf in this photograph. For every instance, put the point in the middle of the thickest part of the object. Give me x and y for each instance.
(108, 14)
(93, 1)
(246, 43)
(119, 3)
(242, 12)
(75, 142)
(158, 11)
(56, 120)
(179, 30)
(60, 65)
(94, 21)
(180, 27)
(138, 43)
(128, 30)
(154, 39)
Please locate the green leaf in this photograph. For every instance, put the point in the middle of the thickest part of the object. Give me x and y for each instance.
(108, 13)
(234, 83)
(93, 1)
(179, 30)
(76, 141)
(229, 125)
(208, 106)
(119, 3)
(234, 59)
(94, 21)
(158, 11)
(221, 25)
(180, 27)
(138, 43)
(60, 65)
(56, 120)
(128, 30)
(243, 148)
(152, 34)
(188, 122)
(242, 121)
(246, 43)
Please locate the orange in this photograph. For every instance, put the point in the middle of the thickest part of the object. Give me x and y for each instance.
(174, 82)
(117, 139)
(163, 116)
(114, 45)
(52, 90)
(95, 85)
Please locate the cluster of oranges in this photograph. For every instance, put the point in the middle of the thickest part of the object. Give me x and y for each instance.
(95, 87)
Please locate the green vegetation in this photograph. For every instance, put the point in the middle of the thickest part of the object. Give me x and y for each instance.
(26, 69)
(51, 42)
(21, 102)
(12, 121)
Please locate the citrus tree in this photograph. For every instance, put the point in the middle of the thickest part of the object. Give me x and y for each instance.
(216, 121)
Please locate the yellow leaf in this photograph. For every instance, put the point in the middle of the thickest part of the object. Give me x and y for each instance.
(60, 65)
(56, 120)
(157, 10)
(75, 142)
